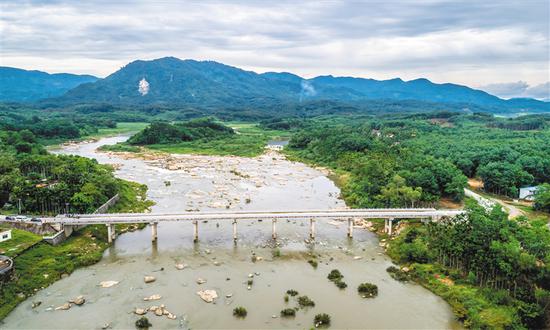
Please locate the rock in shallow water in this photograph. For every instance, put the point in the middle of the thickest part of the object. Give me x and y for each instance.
(208, 295)
(153, 297)
(108, 284)
(149, 279)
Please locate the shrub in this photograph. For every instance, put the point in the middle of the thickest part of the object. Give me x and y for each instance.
(335, 275)
(240, 311)
(367, 290)
(292, 292)
(143, 323)
(276, 253)
(288, 312)
(304, 301)
(286, 298)
(250, 282)
(322, 320)
(340, 284)
(398, 274)
(313, 263)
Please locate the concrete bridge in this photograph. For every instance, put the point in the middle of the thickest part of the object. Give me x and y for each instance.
(69, 222)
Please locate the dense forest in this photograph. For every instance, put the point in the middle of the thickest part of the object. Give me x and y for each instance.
(431, 154)
(42, 183)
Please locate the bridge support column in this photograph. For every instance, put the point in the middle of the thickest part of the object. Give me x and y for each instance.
(312, 228)
(390, 224)
(111, 234)
(235, 231)
(274, 229)
(154, 234)
(435, 218)
(350, 228)
(195, 231)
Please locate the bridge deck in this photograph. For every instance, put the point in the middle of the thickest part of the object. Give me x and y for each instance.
(86, 219)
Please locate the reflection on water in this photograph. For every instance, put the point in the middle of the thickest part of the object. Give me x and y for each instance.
(209, 183)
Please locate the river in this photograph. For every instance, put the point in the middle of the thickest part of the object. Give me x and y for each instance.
(268, 182)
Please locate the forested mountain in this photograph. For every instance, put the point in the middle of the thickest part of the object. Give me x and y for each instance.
(22, 86)
(171, 81)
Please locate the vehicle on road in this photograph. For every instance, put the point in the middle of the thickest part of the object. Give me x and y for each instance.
(10, 217)
(36, 220)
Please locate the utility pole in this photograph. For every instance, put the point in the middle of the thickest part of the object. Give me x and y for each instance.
(19, 205)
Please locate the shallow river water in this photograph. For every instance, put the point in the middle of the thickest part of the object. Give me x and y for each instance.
(268, 182)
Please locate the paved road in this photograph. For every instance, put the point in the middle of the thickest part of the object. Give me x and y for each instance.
(488, 203)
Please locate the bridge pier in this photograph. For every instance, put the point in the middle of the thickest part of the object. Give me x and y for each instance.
(312, 228)
(350, 228)
(111, 233)
(195, 231)
(154, 231)
(388, 224)
(435, 218)
(274, 229)
(235, 231)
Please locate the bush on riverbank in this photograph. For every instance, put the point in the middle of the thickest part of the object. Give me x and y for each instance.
(398, 274)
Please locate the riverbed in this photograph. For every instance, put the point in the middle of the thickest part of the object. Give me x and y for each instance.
(180, 183)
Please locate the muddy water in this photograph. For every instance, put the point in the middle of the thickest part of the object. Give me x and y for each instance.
(215, 183)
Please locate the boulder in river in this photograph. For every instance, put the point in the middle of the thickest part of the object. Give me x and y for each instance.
(78, 301)
(63, 307)
(149, 279)
(140, 311)
(153, 297)
(208, 295)
(201, 281)
(181, 266)
(108, 284)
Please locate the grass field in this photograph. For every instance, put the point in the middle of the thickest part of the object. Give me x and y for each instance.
(19, 242)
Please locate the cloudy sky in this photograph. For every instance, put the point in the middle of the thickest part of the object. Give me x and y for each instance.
(501, 46)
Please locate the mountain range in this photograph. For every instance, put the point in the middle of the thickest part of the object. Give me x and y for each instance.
(20, 85)
(171, 81)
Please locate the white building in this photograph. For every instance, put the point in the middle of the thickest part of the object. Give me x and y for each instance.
(527, 193)
(5, 235)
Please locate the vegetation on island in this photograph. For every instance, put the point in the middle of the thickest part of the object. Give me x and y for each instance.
(305, 301)
(367, 290)
(240, 312)
(321, 320)
(288, 312)
(205, 136)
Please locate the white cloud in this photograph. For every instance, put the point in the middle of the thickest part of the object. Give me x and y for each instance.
(519, 89)
(473, 43)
